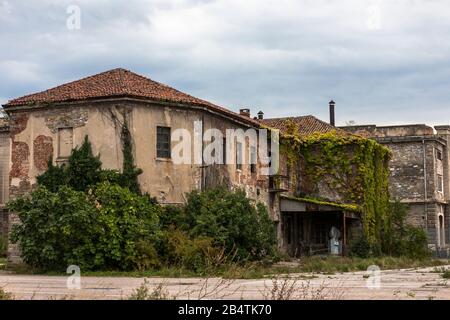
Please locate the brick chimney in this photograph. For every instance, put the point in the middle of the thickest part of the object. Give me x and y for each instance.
(332, 116)
(245, 112)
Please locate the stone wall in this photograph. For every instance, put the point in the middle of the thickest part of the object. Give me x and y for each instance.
(415, 168)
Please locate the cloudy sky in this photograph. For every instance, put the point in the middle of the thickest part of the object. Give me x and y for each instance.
(385, 62)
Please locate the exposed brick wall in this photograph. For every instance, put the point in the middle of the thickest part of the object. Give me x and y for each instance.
(42, 151)
(19, 158)
(18, 123)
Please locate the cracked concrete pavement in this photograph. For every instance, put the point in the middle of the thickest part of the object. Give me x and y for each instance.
(409, 284)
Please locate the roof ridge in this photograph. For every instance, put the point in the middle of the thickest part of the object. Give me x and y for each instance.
(120, 82)
(291, 117)
(64, 84)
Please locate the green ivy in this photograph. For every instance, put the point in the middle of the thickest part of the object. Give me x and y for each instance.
(354, 167)
(130, 172)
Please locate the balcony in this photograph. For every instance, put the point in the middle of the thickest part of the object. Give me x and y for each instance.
(278, 183)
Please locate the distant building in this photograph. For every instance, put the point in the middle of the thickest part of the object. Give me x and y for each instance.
(420, 174)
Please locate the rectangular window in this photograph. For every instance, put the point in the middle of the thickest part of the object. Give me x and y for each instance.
(65, 142)
(163, 142)
(239, 156)
(224, 150)
(438, 154)
(440, 182)
(252, 159)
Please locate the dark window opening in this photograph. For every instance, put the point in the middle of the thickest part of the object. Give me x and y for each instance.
(163, 142)
(288, 230)
(321, 234)
(439, 154)
(224, 150)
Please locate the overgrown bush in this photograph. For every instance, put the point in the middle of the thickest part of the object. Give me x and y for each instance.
(84, 171)
(3, 246)
(360, 248)
(101, 230)
(84, 168)
(232, 221)
(401, 238)
(97, 219)
(53, 177)
(398, 237)
(192, 254)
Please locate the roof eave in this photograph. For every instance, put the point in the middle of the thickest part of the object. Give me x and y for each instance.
(227, 114)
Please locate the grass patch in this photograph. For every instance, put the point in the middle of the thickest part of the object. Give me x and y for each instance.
(330, 265)
(307, 267)
(2, 263)
(5, 295)
(446, 274)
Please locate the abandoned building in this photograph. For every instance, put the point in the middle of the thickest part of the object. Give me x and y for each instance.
(49, 124)
(419, 174)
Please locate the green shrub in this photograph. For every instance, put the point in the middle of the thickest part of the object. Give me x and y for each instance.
(5, 295)
(84, 168)
(129, 178)
(400, 238)
(103, 230)
(360, 248)
(53, 177)
(128, 220)
(3, 246)
(56, 229)
(191, 254)
(232, 221)
(446, 274)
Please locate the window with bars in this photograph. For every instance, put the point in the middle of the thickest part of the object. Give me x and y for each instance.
(163, 142)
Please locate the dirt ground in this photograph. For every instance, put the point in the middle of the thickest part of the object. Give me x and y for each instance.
(393, 284)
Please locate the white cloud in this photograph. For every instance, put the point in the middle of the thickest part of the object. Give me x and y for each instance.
(285, 57)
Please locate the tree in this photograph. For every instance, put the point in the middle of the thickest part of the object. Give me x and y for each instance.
(84, 169)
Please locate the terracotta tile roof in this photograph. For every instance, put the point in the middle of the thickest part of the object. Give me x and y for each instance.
(119, 83)
(307, 125)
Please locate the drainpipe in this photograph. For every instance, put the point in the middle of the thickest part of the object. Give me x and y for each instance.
(425, 184)
(203, 176)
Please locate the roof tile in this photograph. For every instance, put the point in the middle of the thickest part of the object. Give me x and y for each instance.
(118, 83)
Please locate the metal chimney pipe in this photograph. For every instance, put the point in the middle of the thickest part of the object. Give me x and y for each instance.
(332, 117)
(260, 115)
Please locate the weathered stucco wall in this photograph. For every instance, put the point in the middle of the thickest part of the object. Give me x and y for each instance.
(40, 134)
(35, 139)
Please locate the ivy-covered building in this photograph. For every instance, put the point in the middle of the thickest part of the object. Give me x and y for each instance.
(419, 174)
(333, 186)
(329, 184)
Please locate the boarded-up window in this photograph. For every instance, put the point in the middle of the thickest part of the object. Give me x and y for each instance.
(65, 142)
